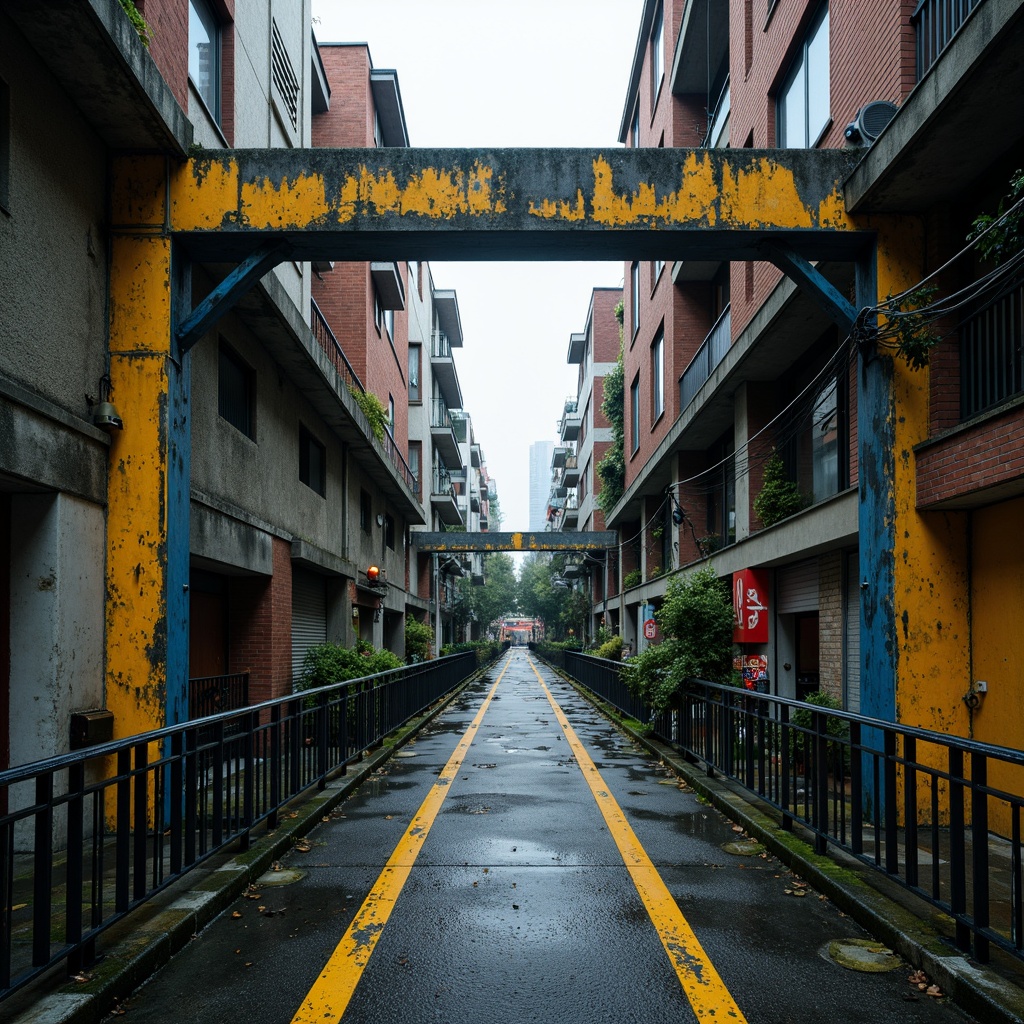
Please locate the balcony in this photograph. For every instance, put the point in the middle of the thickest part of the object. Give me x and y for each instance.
(571, 472)
(991, 356)
(442, 431)
(572, 420)
(935, 23)
(558, 456)
(443, 498)
(711, 352)
(476, 456)
(442, 364)
(571, 513)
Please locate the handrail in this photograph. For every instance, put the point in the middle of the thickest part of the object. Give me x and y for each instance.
(87, 837)
(912, 803)
(330, 344)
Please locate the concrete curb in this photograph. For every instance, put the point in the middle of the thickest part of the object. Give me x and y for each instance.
(908, 925)
(134, 949)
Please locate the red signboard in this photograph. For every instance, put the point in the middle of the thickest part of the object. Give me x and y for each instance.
(750, 606)
(650, 629)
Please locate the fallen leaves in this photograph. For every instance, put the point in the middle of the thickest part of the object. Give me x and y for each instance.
(920, 981)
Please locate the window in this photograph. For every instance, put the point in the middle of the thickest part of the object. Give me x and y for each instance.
(204, 54)
(390, 425)
(657, 267)
(415, 461)
(634, 288)
(804, 100)
(658, 374)
(634, 412)
(415, 357)
(636, 125)
(721, 520)
(383, 318)
(312, 462)
(365, 512)
(825, 442)
(389, 532)
(657, 54)
(235, 391)
(378, 132)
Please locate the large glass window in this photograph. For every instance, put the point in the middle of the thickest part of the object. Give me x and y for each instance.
(804, 105)
(634, 413)
(825, 442)
(634, 288)
(657, 54)
(658, 375)
(415, 354)
(204, 54)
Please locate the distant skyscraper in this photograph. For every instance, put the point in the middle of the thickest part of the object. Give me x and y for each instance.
(540, 483)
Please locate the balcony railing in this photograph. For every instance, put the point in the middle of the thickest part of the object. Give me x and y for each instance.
(442, 482)
(329, 343)
(440, 347)
(711, 352)
(935, 23)
(209, 695)
(992, 354)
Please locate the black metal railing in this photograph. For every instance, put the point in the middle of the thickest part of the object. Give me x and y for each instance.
(935, 23)
(330, 344)
(992, 354)
(938, 814)
(209, 695)
(711, 352)
(87, 837)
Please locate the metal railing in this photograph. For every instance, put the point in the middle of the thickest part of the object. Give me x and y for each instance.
(992, 354)
(935, 23)
(938, 814)
(330, 344)
(87, 837)
(442, 482)
(440, 347)
(209, 695)
(712, 351)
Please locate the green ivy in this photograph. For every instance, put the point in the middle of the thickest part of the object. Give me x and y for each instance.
(997, 242)
(632, 578)
(372, 409)
(138, 21)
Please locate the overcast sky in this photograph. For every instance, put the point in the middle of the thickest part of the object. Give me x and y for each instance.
(533, 73)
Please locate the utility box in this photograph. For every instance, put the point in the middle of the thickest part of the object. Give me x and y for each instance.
(90, 728)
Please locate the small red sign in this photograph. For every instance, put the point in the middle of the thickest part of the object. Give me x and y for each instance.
(650, 629)
(750, 606)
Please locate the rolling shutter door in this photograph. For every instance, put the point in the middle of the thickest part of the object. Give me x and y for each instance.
(852, 632)
(309, 616)
(797, 588)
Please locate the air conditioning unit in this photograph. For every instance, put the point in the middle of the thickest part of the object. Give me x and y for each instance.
(869, 122)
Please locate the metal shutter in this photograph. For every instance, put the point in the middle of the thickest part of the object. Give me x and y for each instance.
(852, 631)
(797, 588)
(309, 616)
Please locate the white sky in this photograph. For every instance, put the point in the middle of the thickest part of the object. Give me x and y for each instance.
(474, 73)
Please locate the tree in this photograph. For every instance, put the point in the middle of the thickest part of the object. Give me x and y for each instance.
(696, 620)
(612, 468)
(499, 594)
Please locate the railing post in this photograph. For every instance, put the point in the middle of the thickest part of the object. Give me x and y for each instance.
(42, 867)
(819, 797)
(892, 850)
(910, 809)
(957, 851)
(140, 815)
(76, 842)
(856, 790)
(979, 851)
(122, 829)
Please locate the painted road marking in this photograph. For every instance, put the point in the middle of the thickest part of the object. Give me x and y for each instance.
(701, 983)
(329, 997)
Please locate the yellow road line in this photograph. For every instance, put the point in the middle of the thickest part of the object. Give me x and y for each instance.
(701, 983)
(328, 998)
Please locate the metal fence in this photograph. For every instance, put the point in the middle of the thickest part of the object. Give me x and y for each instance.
(712, 351)
(87, 837)
(992, 353)
(935, 23)
(938, 814)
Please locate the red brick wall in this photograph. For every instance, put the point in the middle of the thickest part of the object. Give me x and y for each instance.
(260, 627)
(987, 454)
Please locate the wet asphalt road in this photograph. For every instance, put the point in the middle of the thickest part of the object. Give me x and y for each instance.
(519, 907)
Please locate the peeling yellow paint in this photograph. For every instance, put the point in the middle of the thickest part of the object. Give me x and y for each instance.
(284, 205)
(204, 192)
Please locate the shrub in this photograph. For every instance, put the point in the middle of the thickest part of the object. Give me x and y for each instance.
(325, 664)
(419, 638)
(696, 620)
(610, 649)
(632, 578)
(838, 728)
(372, 409)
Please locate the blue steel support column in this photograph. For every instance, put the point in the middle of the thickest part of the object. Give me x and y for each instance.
(179, 472)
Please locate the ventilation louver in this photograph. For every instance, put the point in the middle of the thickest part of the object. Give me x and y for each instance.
(869, 122)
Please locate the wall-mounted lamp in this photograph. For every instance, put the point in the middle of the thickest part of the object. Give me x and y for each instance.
(104, 414)
(355, 611)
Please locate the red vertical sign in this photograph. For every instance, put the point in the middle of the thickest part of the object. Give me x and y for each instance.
(750, 606)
